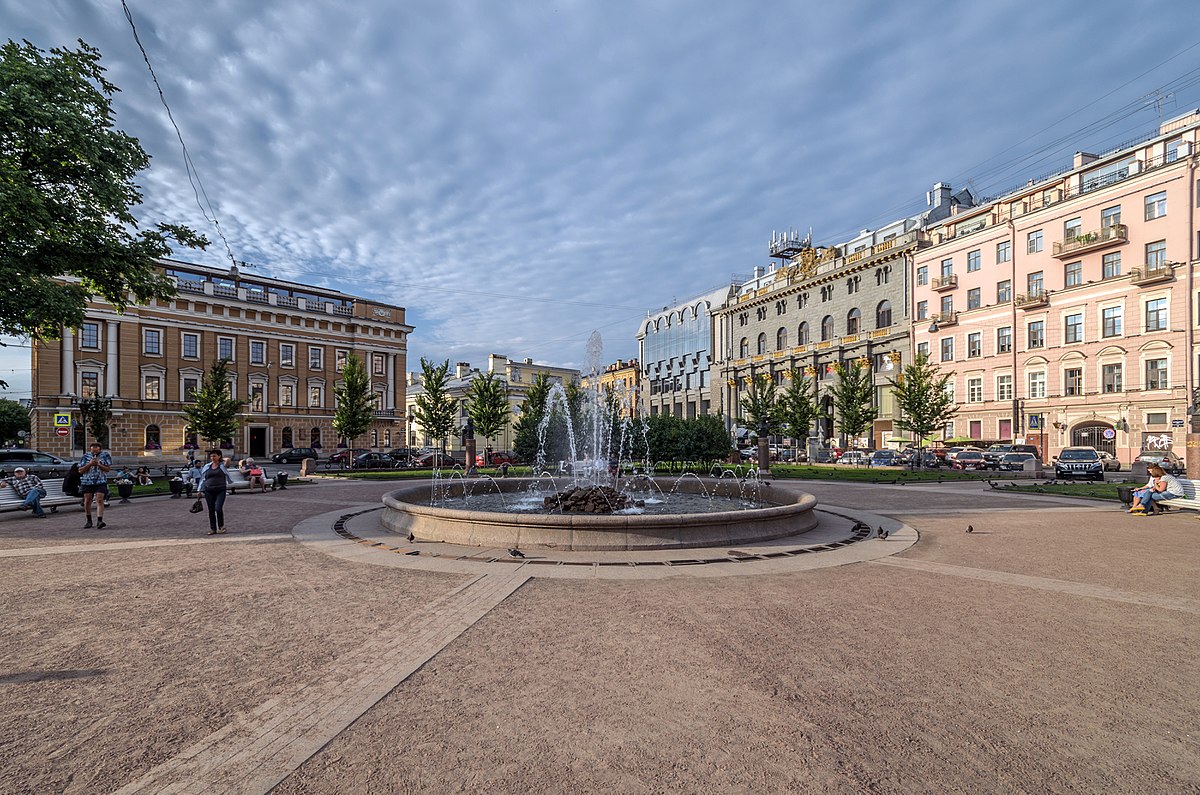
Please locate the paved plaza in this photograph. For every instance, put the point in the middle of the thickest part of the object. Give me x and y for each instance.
(1053, 649)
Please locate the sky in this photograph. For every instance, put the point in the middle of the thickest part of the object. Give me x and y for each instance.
(519, 175)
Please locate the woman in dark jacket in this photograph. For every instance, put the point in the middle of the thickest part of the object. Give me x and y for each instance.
(213, 480)
(71, 481)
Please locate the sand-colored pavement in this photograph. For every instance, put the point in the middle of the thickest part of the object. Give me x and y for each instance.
(1052, 649)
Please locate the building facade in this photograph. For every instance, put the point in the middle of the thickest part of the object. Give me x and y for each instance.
(624, 379)
(286, 344)
(1065, 311)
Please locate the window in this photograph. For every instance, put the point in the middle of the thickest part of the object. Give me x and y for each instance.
(922, 310)
(827, 293)
(974, 390)
(853, 318)
(1036, 283)
(974, 260)
(339, 360)
(802, 334)
(827, 328)
(1004, 339)
(1004, 387)
(1073, 381)
(948, 349)
(286, 437)
(256, 397)
(1003, 251)
(258, 352)
(287, 354)
(190, 385)
(1073, 328)
(1156, 315)
(1175, 149)
(1156, 254)
(89, 336)
(1004, 291)
(1033, 242)
(922, 275)
(287, 395)
(744, 348)
(1111, 267)
(1037, 385)
(153, 438)
(761, 347)
(1112, 321)
(315, 397)
(190, 345)
(316, 358)
(1035, 336)
(1110, 378)
(89, 384)
(973, 299)
(151, 388)
(1074, 274)
(852, 284)
(225, 348)
(1156, 205)
(1072, 228)
(1156, 374)
(947, 268)
(974, 344)
(781, 339)
(378, 365)
(152, 341)
(923, 350)
(1110, 216)
(947, 305)
(314, 438)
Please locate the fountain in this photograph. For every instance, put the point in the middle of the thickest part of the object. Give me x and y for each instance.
(597, 507)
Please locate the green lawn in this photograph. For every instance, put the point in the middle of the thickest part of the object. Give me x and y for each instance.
(1097, 491)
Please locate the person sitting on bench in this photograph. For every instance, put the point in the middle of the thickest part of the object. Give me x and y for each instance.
(1161, 486)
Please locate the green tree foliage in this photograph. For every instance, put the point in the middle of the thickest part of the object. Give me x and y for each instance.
(435, 410)
(214, 415)
(14, 418)
(920, 393)
(487, 405)
(797, 407)
(67, 193)
(853, 399)
(525, 439)
(672, 438)
(96, 413)
(758, 404)
(355, 401)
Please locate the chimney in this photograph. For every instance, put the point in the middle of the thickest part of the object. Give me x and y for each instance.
(758, 271)
(1083, 158)
(939, 195)
(497, 363)
(462, 369)
(529, 361)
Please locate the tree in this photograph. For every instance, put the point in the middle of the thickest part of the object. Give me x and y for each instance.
(355, 401)
(435, 410)
(758, 404)
(920, 393)
(797, 407)
(853, 399)
(214, 415)
(96, 412)
(526, 442)
(67, 197)
(14, 418)
(487, 405)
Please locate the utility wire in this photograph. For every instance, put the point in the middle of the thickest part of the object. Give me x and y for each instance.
(193, 173)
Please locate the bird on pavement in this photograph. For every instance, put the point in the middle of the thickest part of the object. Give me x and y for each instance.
(516, 553)
(412, 537)
(970, 529)
(883, 534)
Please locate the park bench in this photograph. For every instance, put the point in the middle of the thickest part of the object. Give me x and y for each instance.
(10, 501)
(1189, 500)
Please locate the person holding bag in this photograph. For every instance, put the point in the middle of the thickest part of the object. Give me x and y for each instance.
(214, 479)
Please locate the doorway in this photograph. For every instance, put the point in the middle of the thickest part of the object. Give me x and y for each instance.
(258, 442)
(1095, 434)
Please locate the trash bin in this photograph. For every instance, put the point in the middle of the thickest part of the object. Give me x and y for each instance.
(281, 480)
(125, 490)
(1125, 495)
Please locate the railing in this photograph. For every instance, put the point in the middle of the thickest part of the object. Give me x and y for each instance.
(1032, 300)
(189, 286)
(849, 338)
(343, 310)
(225, 292)
(257, 297)
(800, 348)
(385, 412)
(1111, 235)
(287, 300)
(945, 282)
(823, 344)
(1152, 274)
(945, 318)
(881, 332)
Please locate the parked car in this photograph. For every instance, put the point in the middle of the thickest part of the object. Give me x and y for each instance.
(373, 461)
(953, 453)
(435, 458)
(294, 455)
(886, 458)
(1014, 462)
(1079, 462)
(35, 462)
(970, 459)
(1171, 463)
(826, 455)
(994, 453)
(855, 458)
(344, 457)
(928, 460)
(495, 458)
(1027, 448)
(748, 453)
(1111, 464)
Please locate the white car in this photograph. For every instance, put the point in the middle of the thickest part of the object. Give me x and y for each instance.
(1111, 464)
(855, 458)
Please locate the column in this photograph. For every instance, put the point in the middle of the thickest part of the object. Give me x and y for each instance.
(67, 374)
(112, 381)
(390, 395)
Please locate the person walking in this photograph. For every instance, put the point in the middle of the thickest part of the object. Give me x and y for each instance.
(30, 487)
(93, 481)
(214, 479)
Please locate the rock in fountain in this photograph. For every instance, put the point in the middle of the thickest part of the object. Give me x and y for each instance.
(591, 499)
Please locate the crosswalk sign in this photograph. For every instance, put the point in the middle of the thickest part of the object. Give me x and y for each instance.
(62, 420)
(1035, 421)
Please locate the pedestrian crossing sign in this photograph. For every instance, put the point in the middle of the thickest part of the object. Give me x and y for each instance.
(62, 420)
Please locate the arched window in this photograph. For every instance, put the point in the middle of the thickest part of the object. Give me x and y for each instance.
(314, 438)
(153, 438)
(190, 441)
(883, 314)
(827, 328)
(762, 343)
(781, 339)
(374, 437)
(744, 348)
(853, 318)
(802, 334)
(286, 434)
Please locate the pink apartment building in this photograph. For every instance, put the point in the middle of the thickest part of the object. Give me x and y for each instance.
(1066, 311)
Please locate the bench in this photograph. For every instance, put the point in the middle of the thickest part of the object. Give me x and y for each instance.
(1189, 500)
(10, 501)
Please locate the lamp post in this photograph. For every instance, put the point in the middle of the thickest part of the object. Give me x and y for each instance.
(764, 454)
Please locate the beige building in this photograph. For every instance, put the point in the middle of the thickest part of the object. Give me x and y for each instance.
(624, 378)
(286, 342)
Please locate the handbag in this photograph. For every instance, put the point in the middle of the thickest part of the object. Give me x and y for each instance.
(197, 506)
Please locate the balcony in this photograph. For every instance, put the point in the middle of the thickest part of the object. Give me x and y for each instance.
(1152, 274)
(1033, 300)
(943, 319)
(943, 283)
(848, 339)
(382, 413)
(1112, 235)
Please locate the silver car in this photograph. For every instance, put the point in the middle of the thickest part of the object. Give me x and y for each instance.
(35, 462)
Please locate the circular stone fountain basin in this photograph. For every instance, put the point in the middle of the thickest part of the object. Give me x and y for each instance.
(406, 511)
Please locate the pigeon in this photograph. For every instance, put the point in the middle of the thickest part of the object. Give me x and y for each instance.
(883, 534)
(970, 529)
(516, 553)
(412, 537)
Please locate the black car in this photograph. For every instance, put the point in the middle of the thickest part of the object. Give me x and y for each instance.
(403, 456)
(1079, 462)
(1014, 462)
(373, 461)
(295, 455)
(996, 452)
(34, 462)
